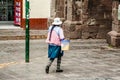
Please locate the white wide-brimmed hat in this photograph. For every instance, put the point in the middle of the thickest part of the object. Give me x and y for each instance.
(57, 21)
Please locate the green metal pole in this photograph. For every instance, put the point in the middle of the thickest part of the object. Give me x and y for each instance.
(27, 29)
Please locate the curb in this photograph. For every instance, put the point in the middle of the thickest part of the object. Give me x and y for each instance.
(22, 37)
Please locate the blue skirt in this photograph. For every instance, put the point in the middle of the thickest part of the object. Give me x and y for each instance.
(54, 51)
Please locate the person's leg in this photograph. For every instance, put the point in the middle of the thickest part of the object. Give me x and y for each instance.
(49, 64)
(58, 64)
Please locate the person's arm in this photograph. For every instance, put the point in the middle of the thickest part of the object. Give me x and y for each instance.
(61, 34)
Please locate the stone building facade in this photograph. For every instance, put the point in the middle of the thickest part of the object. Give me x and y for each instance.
(84, 19)
(113, 37)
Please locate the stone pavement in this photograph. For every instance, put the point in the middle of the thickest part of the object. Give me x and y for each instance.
(86, 60)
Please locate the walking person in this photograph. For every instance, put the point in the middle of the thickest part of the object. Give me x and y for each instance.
(54, 38)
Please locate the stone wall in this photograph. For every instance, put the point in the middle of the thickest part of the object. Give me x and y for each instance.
(113, 37)
(89, 19)
(84, 18)
(57, 10)
(99, 20)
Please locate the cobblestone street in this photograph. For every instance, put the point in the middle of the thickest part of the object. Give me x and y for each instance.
(86, 60)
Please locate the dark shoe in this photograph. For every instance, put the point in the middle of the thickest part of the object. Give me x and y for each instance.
(47, 69)
(59, 70)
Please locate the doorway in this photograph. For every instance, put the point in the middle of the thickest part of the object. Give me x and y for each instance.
(6, 11)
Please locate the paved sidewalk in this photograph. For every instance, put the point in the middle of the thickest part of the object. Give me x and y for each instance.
(19, 34)
(11, 32)
(86, 60)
